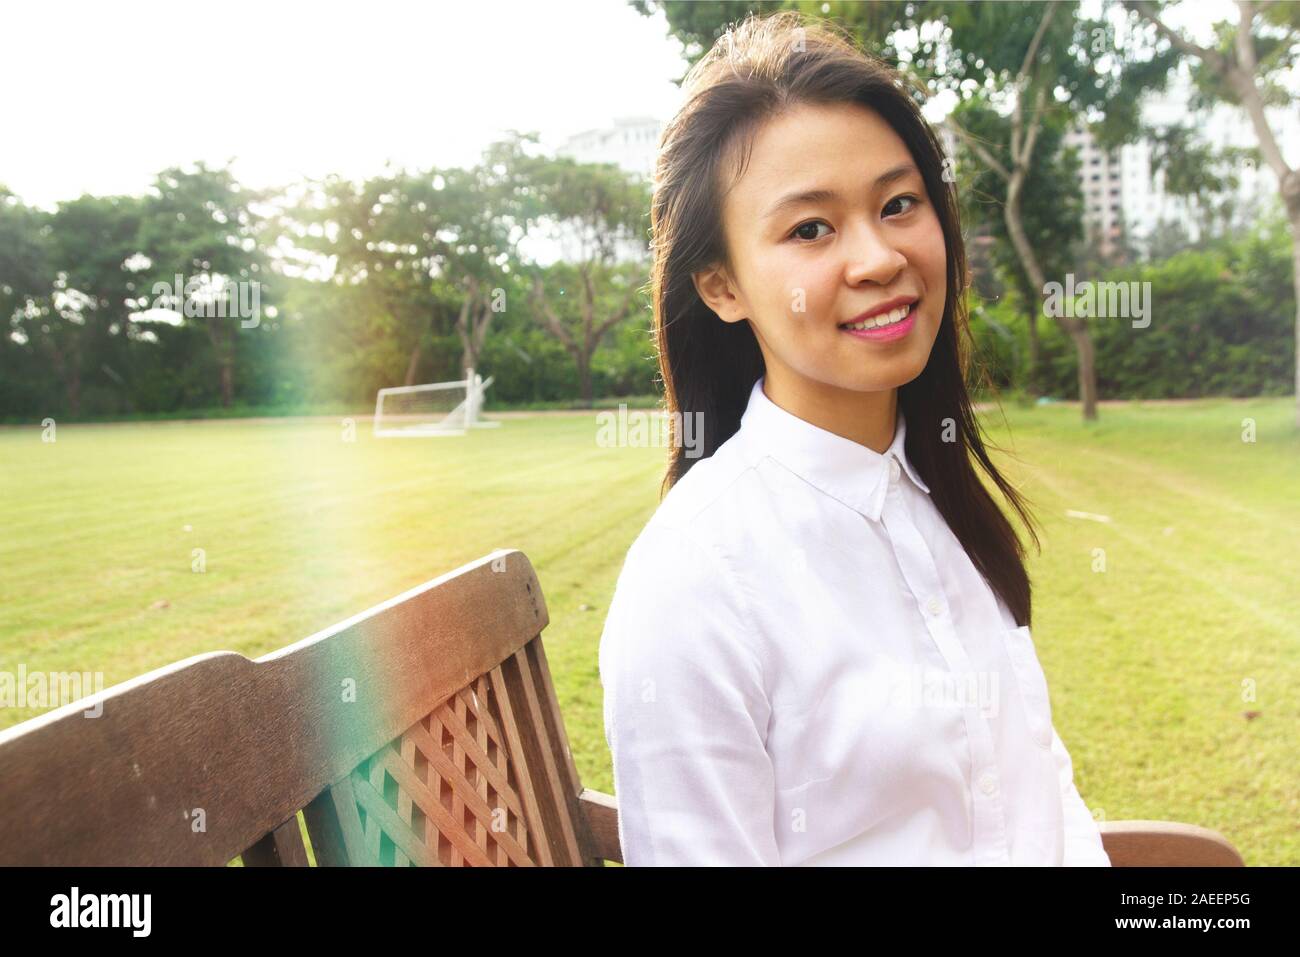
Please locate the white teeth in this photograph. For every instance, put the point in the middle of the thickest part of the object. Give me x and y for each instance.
(886, 319)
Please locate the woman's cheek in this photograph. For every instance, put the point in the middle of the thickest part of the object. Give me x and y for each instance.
(811, 296)
(936, 253)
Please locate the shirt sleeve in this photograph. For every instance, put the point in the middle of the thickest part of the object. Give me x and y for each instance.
(686, 712)
(1083, 847)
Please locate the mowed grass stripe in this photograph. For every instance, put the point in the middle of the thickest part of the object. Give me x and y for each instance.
(1147, 660)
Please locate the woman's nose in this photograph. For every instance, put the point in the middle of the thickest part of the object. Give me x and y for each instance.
(871, 256)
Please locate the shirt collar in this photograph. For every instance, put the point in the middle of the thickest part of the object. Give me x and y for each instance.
(843, 469)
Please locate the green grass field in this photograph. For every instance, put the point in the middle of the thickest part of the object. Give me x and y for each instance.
(1146, 660)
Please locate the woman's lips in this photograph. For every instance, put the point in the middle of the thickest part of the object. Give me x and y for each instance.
(895, 330)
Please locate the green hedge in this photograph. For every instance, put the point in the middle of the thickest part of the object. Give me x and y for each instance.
(1222, 323)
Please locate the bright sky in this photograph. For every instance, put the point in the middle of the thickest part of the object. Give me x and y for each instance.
(107, 94)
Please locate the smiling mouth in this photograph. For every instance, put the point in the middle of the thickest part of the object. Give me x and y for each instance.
(884, 320)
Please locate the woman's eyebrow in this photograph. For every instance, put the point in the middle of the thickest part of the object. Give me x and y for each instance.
(829, 195)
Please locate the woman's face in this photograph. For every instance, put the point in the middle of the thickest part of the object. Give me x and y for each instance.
(804, 265)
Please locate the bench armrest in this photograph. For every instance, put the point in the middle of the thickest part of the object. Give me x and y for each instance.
(1166, 844)
(601, 811)
(1127, 843)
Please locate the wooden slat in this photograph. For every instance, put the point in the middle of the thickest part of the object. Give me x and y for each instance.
(502, 767)
(281, 847)
(325, 831)
(523, 759)
(522, 682)
(482, 832)
(558, 744)
(251, 742)
(453, 712)
(344, 803)
(600, 811)
(406, 806)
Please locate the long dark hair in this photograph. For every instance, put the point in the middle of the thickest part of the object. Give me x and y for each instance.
(755, 70)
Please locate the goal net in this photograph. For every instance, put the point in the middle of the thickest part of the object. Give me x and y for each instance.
(439, 408)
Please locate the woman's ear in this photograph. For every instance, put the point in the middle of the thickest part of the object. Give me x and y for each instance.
(719, 293)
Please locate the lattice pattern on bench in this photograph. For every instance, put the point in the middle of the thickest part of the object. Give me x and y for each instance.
(449, 751)
(449, 791)
(456, 787)
(446, 792)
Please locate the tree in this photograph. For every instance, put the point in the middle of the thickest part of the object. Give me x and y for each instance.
(1247, 65)
(26, 278)
(601, 211)
(1032, 82)
(1040, 64)
(495, 204)
(1204, 176)
(605, 297)
(1051, 212)
(199, 224)
(67, 289)
(432, 249)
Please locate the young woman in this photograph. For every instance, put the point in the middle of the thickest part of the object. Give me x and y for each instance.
(818, 651)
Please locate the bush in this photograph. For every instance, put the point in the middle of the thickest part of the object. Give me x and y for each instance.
(1221, 324)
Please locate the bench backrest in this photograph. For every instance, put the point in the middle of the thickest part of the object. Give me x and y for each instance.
(424, 731)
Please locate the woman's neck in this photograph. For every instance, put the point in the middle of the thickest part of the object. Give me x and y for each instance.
(868, 418)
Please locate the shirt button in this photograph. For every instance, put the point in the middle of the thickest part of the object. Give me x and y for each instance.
(933, 606)
(988, 784)
(893, 470)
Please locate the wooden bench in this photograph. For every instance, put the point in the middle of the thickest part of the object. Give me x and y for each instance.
(424, 731)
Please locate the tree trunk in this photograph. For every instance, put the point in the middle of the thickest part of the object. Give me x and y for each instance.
(1241, 78)
(227, 381)
(68, 368)
(223, 346)
(468, 326)
(1074, 328)
(74, 391)
(1087, 368)
(411, 365)
(1034, 372)
(1293, 216)
(584, 380)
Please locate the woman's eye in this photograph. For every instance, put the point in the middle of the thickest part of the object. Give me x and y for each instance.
(801, 231)
(899, 199)
(812, 223)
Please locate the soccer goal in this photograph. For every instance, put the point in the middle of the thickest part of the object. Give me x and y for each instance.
(438, 408)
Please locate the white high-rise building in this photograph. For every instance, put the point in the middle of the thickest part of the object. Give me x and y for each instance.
(1122, 197)
(629, 144)
(1102, 183)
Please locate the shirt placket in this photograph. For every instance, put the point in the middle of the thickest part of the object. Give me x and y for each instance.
(922, 577)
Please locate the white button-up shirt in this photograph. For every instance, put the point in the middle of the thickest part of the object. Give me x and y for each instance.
(802, 666)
